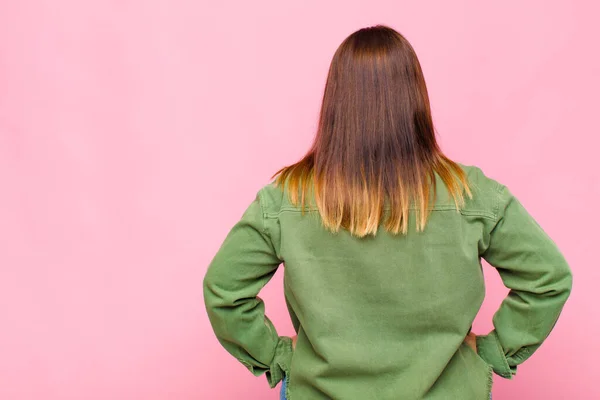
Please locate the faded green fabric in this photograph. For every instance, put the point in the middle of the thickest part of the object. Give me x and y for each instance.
(385, 317)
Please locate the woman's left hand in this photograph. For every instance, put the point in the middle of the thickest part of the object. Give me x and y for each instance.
(471, 340)
(294, 338)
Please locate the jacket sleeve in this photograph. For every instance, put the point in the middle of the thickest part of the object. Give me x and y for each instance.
(539, 278)
(244, 263)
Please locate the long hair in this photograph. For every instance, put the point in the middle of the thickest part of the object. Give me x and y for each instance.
(375, 143)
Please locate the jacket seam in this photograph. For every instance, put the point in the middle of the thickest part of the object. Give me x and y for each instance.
(441, 207)
(265, 228)
(507, 372)
(263, 214)
(520, 355)
(484, 214)
(499, 189)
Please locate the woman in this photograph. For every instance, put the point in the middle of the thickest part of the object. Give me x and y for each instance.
(381, 237)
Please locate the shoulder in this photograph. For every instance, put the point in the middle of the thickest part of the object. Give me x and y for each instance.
(486, 189)
(481, 179)
(271, 197)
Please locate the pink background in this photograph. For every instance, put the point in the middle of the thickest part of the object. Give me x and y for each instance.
(134, 133)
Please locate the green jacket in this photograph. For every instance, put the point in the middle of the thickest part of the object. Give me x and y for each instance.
(385, 317)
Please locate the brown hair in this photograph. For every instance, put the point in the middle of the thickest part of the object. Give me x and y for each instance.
(375, 141)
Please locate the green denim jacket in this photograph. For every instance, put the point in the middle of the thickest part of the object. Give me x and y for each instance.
(386, 317)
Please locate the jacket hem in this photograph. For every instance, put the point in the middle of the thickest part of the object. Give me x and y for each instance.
(281, 361)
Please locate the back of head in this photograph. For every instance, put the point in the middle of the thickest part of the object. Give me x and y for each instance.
(375, 142)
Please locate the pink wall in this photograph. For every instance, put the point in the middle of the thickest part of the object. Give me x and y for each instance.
(134, 133)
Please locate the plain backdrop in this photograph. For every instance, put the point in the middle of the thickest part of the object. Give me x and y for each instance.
(134, 133)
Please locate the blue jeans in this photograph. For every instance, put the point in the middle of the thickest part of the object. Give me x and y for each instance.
(283, 385)
(282, 390)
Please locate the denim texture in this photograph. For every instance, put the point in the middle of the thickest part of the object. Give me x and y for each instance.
(283, 386)
(385, 317)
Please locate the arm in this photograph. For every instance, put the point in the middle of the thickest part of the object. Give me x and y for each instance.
(245, 262)
(539, 278)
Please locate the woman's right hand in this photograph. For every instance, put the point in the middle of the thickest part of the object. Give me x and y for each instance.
(471, 341)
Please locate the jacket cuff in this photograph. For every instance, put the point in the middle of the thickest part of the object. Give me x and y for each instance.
(281, 361)
(490, 349)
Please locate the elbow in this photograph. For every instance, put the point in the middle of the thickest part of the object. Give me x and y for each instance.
(209, 292)
(206, 281)
(216, 293)
(563, 279)
(566, 275)
(206, 291)
(555, 278)
(568, 280)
